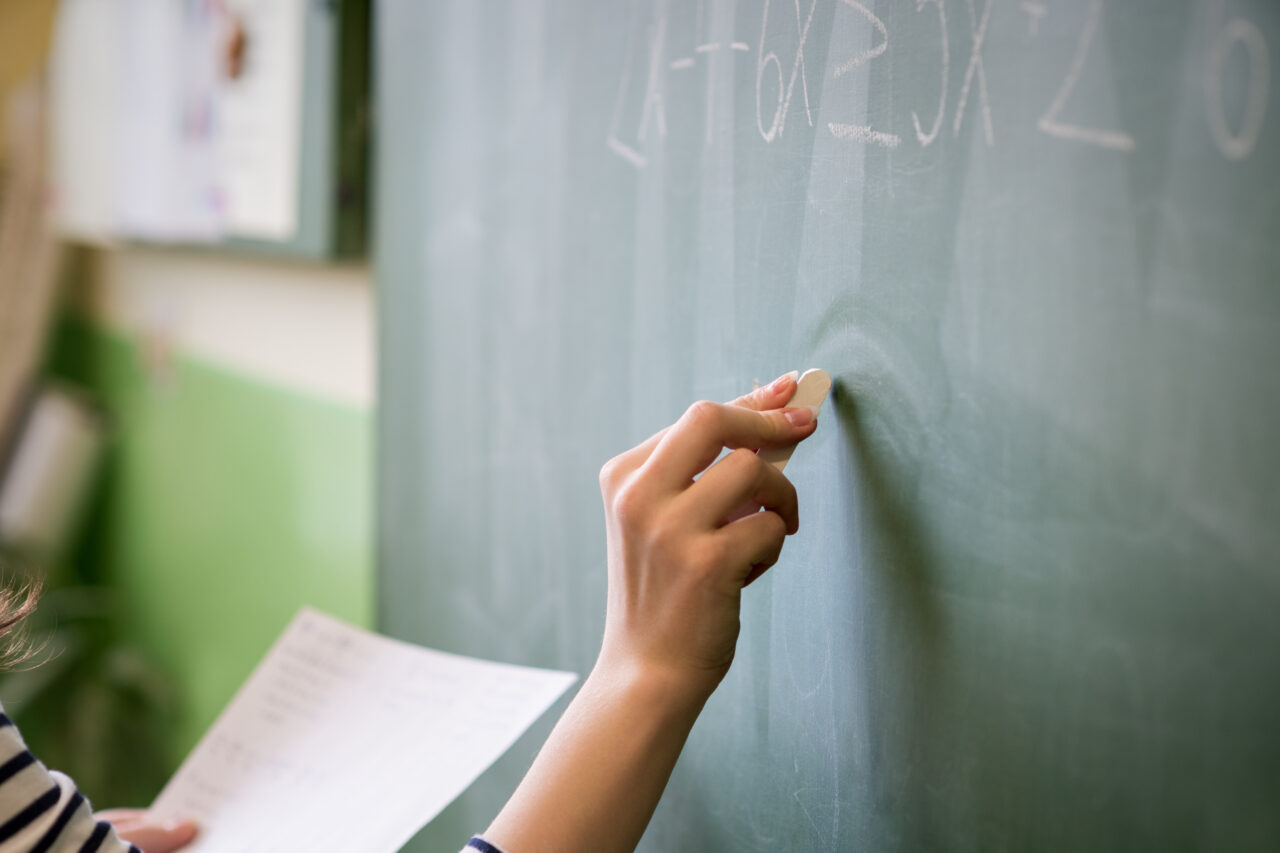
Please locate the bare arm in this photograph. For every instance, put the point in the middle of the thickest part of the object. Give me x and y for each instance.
(680, 552)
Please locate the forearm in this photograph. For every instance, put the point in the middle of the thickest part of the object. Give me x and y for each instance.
(598, 778)
(683, 540)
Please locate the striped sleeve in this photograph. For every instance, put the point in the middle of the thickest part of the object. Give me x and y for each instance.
(479, 845)
(41, 811)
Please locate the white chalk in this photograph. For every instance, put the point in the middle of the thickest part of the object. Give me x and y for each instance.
(811, 390)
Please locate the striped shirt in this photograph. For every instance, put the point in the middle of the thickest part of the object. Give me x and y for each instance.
(41, 811)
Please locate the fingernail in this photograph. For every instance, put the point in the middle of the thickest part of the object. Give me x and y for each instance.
(781, 380)
(802, 415)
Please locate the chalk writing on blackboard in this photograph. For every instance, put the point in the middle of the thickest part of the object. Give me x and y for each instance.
(797, 71)
(926, 139)
(858, 132)
(977, 71)
(781, 76)
(1239, 144)
(1050, 123)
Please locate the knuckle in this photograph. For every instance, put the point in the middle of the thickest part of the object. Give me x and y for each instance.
(703, 414)
(772, 530)
(768, 561)
(744, 466)
(707, 556)
(628, 505)
(778, 426)
(777, 527)
(610, 473)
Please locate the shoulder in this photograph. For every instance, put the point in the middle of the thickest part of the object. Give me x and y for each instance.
(41, 809)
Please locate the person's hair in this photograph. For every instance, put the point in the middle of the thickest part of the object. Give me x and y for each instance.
(17, 602)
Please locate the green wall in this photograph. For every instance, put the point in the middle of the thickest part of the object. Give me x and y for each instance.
(226, 504)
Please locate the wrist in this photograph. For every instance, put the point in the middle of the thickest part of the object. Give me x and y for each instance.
(599, 776)
(675, 693)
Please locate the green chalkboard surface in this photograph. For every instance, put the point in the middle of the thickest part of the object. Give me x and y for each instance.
(1035, 599)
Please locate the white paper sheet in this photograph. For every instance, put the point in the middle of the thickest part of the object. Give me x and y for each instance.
(167, 180)
(153, 140)
(343, 741)
(261, 121)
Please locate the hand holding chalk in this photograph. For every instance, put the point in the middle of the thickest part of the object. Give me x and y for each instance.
(679, 553)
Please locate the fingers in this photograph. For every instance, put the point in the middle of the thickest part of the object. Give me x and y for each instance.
(636, 456)
(736, 488)
(161, 837)
(697, 438)
(148, 833)
(740, 481)
(753, 544)
(770, 396)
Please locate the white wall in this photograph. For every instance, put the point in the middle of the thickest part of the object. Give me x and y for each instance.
(305, 327)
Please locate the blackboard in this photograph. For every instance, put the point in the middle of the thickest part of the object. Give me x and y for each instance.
(1035, 599)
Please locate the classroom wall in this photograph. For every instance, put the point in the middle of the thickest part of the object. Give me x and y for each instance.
(238, 483)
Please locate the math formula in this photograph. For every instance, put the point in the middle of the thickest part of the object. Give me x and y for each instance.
(663, 60)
